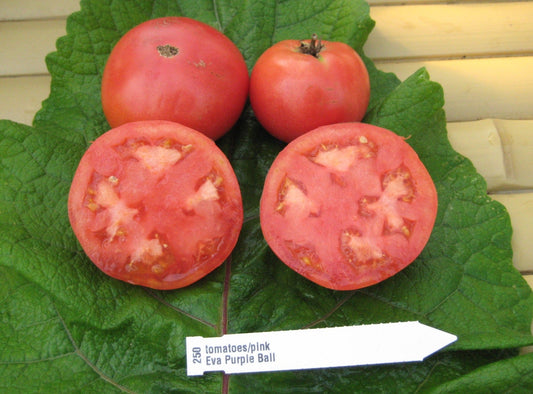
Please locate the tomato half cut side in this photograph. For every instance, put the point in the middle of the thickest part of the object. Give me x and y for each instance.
(348, 205)
(155, 203)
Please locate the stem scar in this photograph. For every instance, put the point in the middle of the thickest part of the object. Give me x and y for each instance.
(167, 50)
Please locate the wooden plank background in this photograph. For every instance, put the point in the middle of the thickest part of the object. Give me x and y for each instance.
(481, 52)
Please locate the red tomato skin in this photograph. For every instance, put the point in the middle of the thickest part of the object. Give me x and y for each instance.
(161, 236)
(292, 93)
(312, 234)
(203, 86)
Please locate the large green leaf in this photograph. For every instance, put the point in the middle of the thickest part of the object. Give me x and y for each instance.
(65, 326)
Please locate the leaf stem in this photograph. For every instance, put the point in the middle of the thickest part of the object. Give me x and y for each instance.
(225, 298)
(224, 317)
(155, 295)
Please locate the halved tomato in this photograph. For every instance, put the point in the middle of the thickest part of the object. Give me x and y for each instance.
(348, 205)
(156, 204)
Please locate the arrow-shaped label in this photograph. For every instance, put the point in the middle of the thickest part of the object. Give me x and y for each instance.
(315, 348)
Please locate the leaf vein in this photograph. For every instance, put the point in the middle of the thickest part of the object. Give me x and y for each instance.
(335, 308)
(85, 359)
(153, 294)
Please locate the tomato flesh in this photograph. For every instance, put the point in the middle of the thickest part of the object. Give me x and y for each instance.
(348, 205)
(156, 204)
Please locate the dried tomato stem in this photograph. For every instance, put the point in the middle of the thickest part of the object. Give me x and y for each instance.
(313, 47)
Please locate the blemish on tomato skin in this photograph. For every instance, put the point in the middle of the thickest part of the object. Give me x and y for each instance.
(168, 51)
(200, 64)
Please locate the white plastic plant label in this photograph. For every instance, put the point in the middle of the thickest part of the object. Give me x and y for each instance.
(314, 348)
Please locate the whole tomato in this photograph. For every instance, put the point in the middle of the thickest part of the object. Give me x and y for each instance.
(176, 69)
(297, 86)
